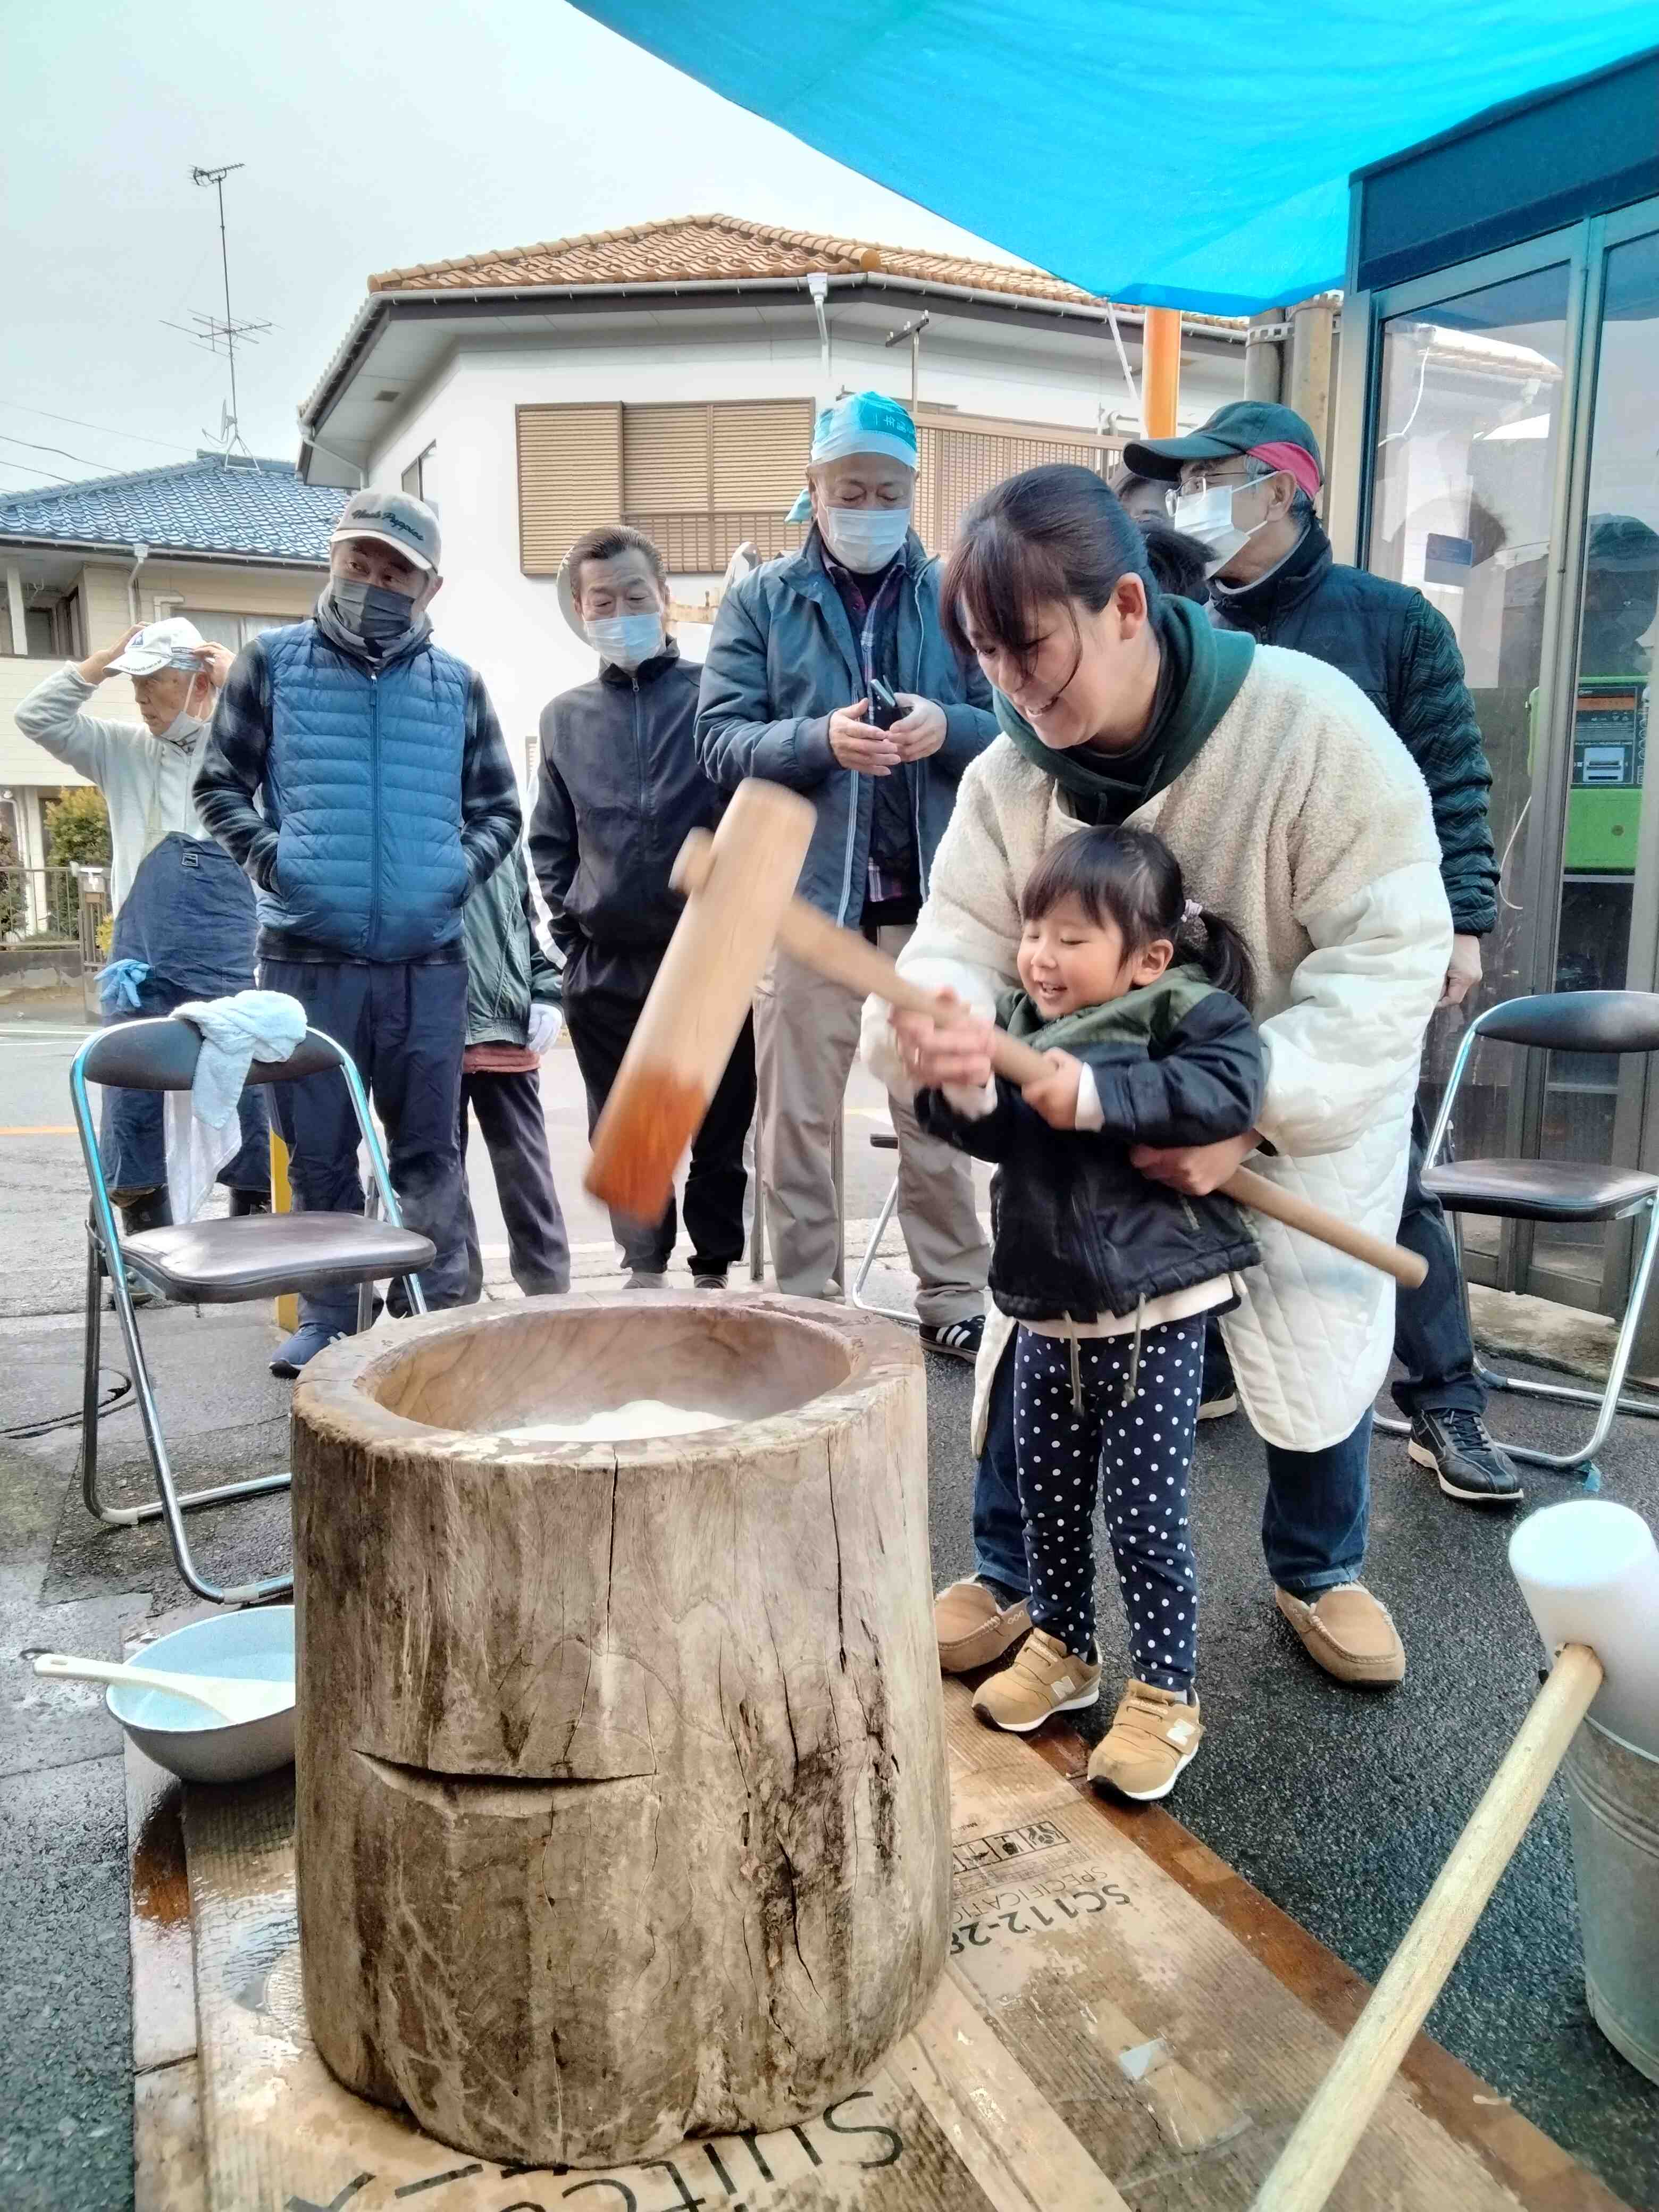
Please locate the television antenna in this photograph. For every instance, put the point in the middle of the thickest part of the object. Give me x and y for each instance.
(220, 334)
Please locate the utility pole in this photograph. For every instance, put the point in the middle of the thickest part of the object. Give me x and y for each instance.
(213, 333)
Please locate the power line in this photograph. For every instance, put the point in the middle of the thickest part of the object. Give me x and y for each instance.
(35, 445)
(103, 429)
(27, 468)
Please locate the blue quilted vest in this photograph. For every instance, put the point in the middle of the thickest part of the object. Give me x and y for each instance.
(363, 783)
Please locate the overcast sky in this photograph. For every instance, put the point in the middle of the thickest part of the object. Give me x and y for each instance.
(372, 139)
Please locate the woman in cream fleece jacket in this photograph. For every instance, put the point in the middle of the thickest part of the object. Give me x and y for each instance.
(1293, 809)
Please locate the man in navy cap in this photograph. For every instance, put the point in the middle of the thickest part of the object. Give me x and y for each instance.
(1243, 484)
(386, 796)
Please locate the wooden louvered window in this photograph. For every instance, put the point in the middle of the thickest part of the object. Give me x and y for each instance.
(701, 478)
(571, 479)
(961, 458)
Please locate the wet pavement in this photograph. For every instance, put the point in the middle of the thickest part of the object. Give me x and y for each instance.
(1338, 1805)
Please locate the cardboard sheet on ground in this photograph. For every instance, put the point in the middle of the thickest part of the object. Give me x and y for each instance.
(1097, 2030)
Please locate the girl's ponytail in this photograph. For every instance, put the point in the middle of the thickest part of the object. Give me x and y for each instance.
(1211, 943)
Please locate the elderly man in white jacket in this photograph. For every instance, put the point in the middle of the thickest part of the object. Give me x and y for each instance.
(1293, 812)
(183, 912)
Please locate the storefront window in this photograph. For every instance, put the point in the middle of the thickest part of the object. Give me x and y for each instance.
(1616, 636)
(1468, 432)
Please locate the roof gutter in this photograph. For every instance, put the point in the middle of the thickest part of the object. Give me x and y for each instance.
(122, 549)
(482, 298)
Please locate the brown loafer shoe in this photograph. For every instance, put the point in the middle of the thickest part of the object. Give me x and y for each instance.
(973, 1629)
(1347, 1633)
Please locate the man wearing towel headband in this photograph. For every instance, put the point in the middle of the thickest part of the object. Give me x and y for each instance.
(827, 671)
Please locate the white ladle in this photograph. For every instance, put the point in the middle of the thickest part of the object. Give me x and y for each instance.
(228, 1700)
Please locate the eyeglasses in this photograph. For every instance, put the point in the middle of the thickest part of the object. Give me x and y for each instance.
(1195, 486)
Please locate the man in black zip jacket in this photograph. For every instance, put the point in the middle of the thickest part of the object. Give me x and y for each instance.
(620, 788)
(1245, 484)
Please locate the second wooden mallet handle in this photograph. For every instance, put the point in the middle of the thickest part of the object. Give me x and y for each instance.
(847, 958)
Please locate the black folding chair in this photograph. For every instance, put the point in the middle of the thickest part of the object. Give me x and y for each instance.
(1557, 1191)
(217, 1262)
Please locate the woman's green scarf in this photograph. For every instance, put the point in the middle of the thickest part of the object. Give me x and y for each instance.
(1198, 679)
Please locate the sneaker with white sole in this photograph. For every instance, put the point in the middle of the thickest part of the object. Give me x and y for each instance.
(1154, 1734)
(307, 1340)
(960, 1340)
(1458, 1445)
(1044, 1679)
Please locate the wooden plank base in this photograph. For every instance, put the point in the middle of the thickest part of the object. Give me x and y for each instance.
(1123, 2022)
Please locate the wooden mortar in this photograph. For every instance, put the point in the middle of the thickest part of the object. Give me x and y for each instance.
(623, 1799)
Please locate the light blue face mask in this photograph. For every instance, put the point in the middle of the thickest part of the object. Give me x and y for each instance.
(865, 538)
(625, 641)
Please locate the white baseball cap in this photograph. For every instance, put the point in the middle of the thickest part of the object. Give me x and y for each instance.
(174, 643)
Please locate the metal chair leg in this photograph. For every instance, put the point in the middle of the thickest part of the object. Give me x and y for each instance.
(172, 1505)
(856, 1297)
(1609, 1399)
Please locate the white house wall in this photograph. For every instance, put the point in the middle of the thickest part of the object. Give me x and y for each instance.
(508, 625)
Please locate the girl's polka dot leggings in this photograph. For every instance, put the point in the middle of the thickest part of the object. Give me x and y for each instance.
(1137, 1456)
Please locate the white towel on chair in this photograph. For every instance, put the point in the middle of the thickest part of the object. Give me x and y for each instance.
(203, 1129)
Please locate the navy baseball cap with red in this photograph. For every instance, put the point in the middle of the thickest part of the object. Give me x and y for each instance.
(1277, 435)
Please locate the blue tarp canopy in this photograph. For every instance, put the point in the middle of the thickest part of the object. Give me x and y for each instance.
(1161, 152)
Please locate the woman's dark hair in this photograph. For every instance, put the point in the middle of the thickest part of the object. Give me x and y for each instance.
(1178, 562)
(1047, 534)
(1130, 878)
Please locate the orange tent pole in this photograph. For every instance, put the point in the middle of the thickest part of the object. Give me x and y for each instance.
(1160, 371)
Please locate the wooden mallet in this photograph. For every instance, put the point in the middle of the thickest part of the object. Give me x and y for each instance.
(696, 1007)
(1590, 1572)
(734, 912)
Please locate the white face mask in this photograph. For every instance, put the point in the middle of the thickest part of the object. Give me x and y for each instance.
(625, 641)
(864, 538)
(1207, 516)
(183, 730)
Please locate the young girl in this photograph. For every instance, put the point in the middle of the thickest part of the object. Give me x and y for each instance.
(1137, 998)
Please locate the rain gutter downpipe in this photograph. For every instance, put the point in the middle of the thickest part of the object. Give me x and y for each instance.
(818, 285)
(140, 555)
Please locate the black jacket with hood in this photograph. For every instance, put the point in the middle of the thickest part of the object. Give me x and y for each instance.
(1077, 1230)
(1401, 652)
(619, 787)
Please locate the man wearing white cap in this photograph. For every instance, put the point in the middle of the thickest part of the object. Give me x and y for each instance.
(183, 914)
(385, 798)
(827, 671)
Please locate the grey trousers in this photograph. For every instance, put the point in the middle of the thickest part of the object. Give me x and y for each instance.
(806, 1035)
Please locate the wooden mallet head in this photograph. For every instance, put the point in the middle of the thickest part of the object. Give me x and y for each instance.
(697, 1006)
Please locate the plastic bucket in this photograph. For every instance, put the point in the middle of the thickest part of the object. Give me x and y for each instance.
(1612, 1795)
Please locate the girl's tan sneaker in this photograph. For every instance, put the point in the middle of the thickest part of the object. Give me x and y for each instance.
(1154, 1734)
(1046, 1678)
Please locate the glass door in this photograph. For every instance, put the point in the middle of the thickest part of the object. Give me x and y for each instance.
(1471, 423)
(1592, 1105)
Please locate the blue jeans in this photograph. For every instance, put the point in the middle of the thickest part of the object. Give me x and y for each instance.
(404, 1025)
(1431, 1338)
(1313, 1524)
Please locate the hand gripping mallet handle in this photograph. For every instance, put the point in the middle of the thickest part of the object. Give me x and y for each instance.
(846, 958)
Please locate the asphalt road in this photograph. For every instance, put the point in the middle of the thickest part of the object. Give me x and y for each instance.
(1340, 1805)
(42, 1184)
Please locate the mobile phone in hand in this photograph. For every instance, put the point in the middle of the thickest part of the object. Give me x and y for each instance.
(884, 709)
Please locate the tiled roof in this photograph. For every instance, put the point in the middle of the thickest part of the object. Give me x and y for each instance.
(194, 507)
(701, 248)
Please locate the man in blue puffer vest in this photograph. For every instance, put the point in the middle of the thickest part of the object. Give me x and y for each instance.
(385, 796)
